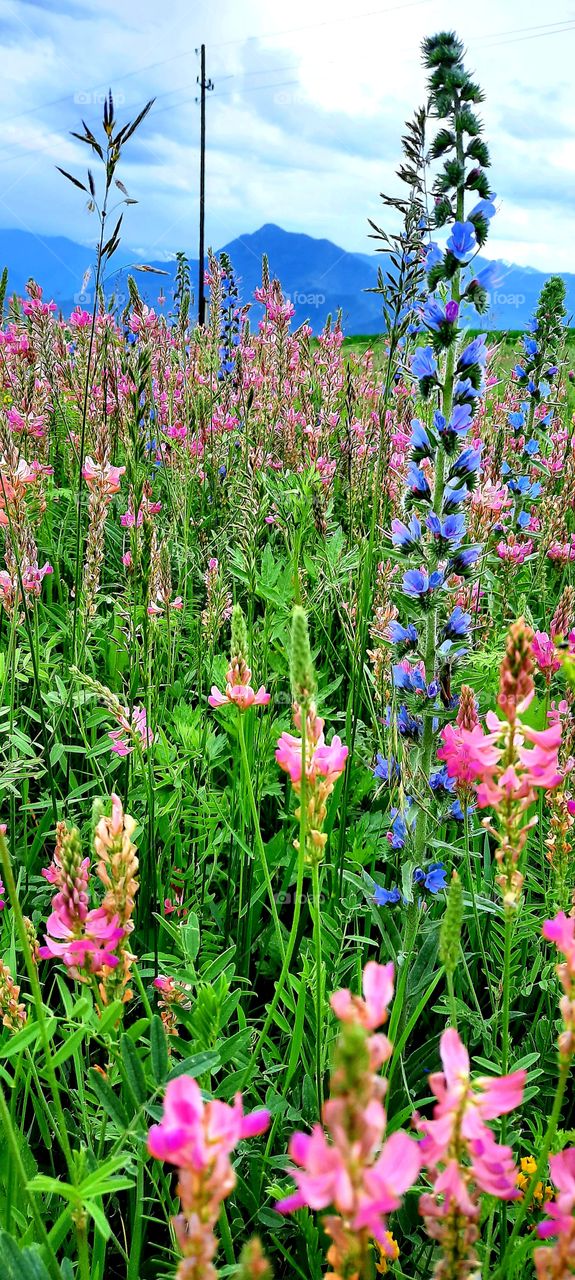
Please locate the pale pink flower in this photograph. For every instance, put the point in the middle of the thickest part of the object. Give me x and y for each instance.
(132, 731)
(102, 476)
(241, 694)
(371, 1010)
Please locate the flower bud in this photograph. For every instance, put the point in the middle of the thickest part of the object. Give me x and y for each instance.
(450, 932)
(301, 666)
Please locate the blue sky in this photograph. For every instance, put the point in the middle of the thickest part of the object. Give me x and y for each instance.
(303, 124)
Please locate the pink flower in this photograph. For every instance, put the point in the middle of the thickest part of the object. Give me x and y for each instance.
(545, 653)
(241, 694)
(327, 762)
(371, 1011)
(131, 732)
(193, 1134)
(560, 1210)
(323, 1177)
(459, 1120)
(102, 476)
(468, 753)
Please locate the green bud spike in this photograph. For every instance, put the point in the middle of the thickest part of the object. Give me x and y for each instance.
(239, 635)
(301, 666)
(450, 932)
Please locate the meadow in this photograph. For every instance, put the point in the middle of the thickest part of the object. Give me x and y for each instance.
(287, 661)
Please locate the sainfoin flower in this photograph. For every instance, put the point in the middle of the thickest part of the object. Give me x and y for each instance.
(133, 731)
(557, 1261)
(323, 766)
(238, 689)
(344, 1163)
(84, 939)
(199, 1137)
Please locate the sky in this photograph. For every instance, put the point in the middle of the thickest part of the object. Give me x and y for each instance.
(303, 124)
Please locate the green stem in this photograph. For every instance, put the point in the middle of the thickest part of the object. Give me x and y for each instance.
(17, 1164)
(318, 984)
(546, 1145)
(471, 879)
(258, 835)
(60, 1125)
(296, 912)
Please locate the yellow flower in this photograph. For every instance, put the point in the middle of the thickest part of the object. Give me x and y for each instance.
(384, 1258)
(542, 1192)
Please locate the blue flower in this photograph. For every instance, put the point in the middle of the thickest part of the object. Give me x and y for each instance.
(464, 559)
(464, 390)
(516, 420)
(485, 208)
(523, 519)
(473, 353)
(408, 726)
(434, 879)
(462, 241)
(488, 275)
(460, 419)
(405, 536)
(531, 347)
(433, 256)
(440, 781)
(519, 372)
(420, 443)
(417, 483)
(401, 823)
(423, 363)
(416, 583)
(434, 314)
(452, 498)
(457, 625)
(397, 634)
(531, 448)
(544, 390)
(386, 897)
(448, 532)
(467, 464)
(386, 768)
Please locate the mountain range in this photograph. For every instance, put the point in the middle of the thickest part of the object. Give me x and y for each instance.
(319, 277)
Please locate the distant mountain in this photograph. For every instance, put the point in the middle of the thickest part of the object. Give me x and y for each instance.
(318, 277)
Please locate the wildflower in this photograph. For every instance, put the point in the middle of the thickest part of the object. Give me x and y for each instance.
(345, 1163)
(458, 1149)
(561, 931)
(199, 1138)
(174, 995)
(389, 1252)
(12, 1012)
(133, 732)
(424, 364)
(84, 939)
(419, 585)
(117, 870)
(434, 878)
(462, 241)
(528, 1167)
(557, 1261)
(323, 766)
(102, 476)
(545, 654)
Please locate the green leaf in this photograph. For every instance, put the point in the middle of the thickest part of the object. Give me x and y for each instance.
(20, 1264)
(108, 1100)
(159, 1049)
(133, 1071)
(68, 1047)
(197, 1065)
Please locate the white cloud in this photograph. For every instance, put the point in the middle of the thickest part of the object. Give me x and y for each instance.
(304, 123)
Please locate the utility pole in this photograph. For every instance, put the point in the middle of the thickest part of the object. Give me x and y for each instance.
(205, 87)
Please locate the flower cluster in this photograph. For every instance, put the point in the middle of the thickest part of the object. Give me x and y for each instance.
(238, 680)
(461, 1155)
(504, 770)
(91, 941)
(199, 1138)
(346, 1163)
